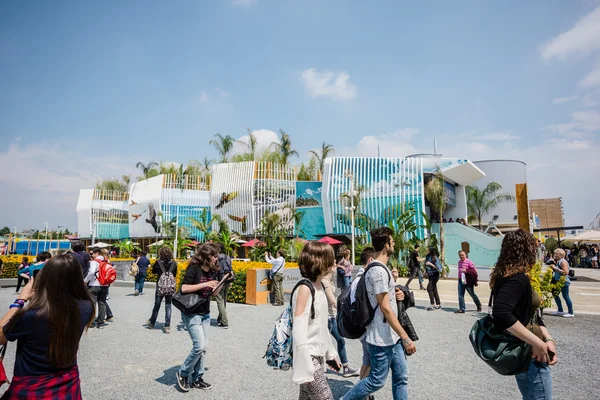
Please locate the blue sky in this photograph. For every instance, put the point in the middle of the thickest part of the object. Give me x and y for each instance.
(88, 89)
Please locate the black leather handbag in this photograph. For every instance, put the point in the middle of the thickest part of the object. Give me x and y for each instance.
(503, 352)
(188, 303)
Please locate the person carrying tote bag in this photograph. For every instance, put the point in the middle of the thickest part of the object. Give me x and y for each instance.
(515, 332)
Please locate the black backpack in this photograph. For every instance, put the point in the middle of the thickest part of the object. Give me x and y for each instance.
(354, 317)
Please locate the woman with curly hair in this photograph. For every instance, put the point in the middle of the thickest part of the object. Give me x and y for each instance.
(515, 310)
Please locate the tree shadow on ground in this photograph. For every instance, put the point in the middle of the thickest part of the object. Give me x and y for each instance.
(339, 387)
(169, 378)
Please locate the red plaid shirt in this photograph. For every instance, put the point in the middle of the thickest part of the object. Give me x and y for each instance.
(59, 386)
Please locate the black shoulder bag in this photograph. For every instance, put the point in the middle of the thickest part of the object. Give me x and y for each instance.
(504, 353)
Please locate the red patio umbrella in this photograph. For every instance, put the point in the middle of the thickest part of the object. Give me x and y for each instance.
(253, 243)
(329, 240)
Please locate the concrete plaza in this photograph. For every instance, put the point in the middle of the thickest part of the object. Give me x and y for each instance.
(127, 361)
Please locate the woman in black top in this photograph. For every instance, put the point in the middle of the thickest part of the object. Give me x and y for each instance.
(47, 330)
(200, 278)
(515, 309)
(433, 266)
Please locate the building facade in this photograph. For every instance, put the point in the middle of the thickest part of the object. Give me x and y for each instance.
(550, 213)
(242, 194)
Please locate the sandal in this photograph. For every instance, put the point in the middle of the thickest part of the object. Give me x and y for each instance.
(459, 312)
(437, 307)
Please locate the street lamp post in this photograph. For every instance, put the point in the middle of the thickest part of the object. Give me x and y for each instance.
(176, 230)
(352, 209)
(93, 233)
(15, 240)
(46, 237)
(58, 238)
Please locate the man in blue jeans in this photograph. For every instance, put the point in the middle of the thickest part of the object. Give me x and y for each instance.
(386, 339)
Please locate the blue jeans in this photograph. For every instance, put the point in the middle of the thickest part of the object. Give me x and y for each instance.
(565, 294)
(197, 326)
(139, 282)
(341, 343)
(536, 383)
(347, 280)
(461, 296)
(382, 359)
(157, 300)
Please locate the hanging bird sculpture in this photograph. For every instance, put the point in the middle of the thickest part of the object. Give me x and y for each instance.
(239, 219)
(226, 198)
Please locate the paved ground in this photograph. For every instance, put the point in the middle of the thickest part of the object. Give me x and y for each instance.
(126, 361)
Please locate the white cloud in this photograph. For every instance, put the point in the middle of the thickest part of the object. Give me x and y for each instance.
(568, 144)
(223, 93)
(582, 38)
(51, 176)
(498, 136)
(551, 162)
(581, 122)
(243, 3)
(334, 85)
(264, 138)
(561, 100)
(592, 78)
(393, 144)
(309, 192)
(204, 98)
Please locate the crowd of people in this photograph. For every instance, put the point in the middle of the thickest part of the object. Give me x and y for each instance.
(386, 342)
(62, 294)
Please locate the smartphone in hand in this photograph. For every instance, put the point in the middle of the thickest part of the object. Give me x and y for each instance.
(334, 365)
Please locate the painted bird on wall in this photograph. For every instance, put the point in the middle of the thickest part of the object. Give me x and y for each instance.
(226, 198)
(136, 216)
(152, 218)
(239, 219)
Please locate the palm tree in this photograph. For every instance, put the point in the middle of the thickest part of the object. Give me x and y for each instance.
(482, 201)
(126, 179)
(206, 163)
(436, 196)
(193, 168)
(169, 168)
(223, 144)
(296, 216)
(126, 247)
(112, 185)
(251, 146)
(326, 151)
(203, 223)
(284, 147)
(148, 170)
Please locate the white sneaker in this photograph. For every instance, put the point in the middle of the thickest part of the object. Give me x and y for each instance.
(567, 315)
(559, 313)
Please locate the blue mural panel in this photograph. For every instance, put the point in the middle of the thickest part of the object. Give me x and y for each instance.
(383, 187)
(308, 202)
(184, 213)
(450, 194)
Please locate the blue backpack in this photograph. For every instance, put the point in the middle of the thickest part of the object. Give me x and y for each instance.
(279, 349)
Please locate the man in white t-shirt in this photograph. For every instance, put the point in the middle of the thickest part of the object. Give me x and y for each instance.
(386, 339)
